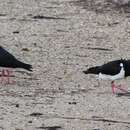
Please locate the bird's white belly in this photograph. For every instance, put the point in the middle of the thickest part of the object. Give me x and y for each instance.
(112, 77)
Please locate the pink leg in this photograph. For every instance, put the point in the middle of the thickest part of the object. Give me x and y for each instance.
(9, 71)
(5, 76)
(2, 75)
(113, 87)
(8, 76)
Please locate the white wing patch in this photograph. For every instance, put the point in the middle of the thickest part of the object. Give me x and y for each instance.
(121, 64)
(113, 77)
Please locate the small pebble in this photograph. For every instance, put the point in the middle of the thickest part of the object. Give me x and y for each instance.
(29, 121)
(17, 105)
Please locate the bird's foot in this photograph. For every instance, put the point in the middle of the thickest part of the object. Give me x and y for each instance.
(121, 87)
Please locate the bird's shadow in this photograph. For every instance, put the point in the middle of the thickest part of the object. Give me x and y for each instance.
(126, 94)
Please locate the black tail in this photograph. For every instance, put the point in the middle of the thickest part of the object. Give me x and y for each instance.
(92, 70)
(27, 67)
(24, 66)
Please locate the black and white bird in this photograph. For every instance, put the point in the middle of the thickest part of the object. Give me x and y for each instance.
(112, 70)
(9, 61)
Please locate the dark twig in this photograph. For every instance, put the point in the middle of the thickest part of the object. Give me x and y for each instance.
(36, 114)
(3, 14)
(96, 48)
(45, 17)
(50, 127)
(96, 119)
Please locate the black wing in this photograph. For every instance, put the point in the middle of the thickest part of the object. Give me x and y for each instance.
(6, 59)
(111, 68)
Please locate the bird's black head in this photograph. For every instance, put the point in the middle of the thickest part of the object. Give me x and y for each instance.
(126, 67)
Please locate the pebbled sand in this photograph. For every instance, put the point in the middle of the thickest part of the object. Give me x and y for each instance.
(72, 36)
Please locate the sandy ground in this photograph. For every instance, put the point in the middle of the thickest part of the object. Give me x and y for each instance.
(61, 38)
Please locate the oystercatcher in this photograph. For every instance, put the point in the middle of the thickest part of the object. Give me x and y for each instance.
(112, 70)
